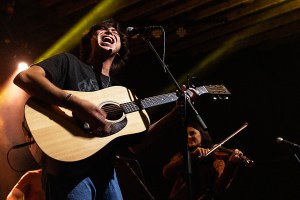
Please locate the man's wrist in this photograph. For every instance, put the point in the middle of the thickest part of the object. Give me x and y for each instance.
(67, 99)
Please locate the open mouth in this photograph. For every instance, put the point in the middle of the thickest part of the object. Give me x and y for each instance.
(108, 39)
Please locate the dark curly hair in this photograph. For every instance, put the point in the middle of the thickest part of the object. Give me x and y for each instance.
(85, 45)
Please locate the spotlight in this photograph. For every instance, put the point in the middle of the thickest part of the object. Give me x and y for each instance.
(22, 66)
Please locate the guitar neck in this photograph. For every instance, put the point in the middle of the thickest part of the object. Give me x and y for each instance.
(156, 100)
(149, 102)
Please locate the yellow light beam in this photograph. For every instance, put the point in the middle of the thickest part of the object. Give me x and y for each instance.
(202, 66)
(102, 10)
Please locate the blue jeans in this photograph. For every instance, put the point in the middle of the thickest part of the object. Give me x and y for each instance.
(92, 187)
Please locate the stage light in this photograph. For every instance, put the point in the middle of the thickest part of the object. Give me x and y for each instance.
(22, 66)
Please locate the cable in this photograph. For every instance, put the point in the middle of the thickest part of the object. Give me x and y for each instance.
(16, 147)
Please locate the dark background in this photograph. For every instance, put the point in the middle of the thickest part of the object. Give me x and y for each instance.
(252, 47)
(264, 90)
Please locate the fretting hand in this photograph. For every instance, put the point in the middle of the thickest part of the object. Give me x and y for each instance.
(236, 156)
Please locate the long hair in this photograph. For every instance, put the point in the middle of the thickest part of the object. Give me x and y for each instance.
(85, 45)
(206, 139)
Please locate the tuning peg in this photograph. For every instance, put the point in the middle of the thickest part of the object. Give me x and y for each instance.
(220, 97)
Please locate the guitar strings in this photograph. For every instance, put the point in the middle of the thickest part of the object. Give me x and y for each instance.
(147, 101)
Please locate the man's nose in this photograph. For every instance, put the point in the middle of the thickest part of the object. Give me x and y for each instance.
(108, 31)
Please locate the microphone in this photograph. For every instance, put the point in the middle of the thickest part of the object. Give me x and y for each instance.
(132, 31)
(280, 140)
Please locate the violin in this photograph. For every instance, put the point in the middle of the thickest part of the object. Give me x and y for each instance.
(223, 153)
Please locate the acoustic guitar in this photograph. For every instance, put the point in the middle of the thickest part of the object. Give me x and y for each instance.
(62, 138)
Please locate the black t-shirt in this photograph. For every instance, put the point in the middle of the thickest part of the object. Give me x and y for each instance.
(67, 72)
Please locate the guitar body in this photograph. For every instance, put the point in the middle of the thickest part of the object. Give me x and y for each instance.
(62, 140)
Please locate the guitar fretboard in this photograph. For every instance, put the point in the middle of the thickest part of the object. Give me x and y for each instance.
(149, 102)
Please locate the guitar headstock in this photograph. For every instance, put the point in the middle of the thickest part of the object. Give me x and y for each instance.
(218, 91)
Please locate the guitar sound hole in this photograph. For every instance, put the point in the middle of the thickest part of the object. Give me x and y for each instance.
(114, 112)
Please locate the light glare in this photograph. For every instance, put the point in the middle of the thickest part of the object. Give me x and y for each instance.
(22, 66)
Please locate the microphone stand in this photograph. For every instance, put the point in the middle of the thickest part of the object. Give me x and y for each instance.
(295, 155)
(124, 160)
(167, 71)
(297, 158)
(186, 103)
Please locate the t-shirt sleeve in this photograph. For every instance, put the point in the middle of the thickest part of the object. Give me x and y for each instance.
(56, 68)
